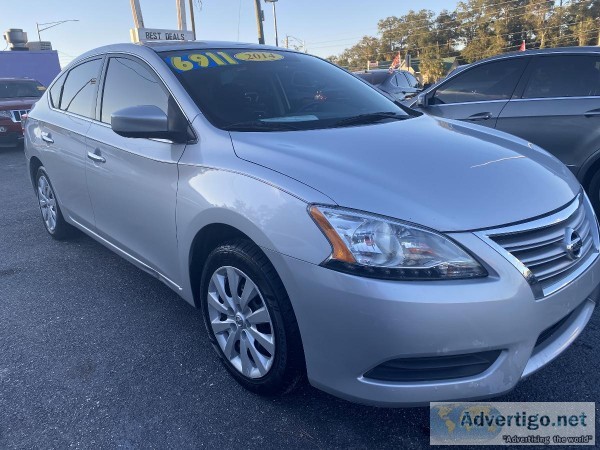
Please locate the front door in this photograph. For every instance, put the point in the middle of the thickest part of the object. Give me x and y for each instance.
(133, 182)
(477, 94)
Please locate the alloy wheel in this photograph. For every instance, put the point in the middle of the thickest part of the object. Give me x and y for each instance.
(241, 322)
(47, 202)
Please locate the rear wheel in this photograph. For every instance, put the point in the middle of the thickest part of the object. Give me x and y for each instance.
(249, 319)
(52, 216)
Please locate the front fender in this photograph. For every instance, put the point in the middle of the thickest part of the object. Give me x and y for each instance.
(275, 220)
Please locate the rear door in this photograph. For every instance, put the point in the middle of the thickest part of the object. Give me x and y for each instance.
(558, 107)
(478, 94)
(133, 182)
(63, 132)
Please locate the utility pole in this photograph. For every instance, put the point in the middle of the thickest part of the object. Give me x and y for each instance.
(181, 18)
(192, 18)
(259, 22)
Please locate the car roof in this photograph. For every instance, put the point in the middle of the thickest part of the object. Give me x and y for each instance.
(141, 48)
(199, 45)
(542, 51)
(379, 71)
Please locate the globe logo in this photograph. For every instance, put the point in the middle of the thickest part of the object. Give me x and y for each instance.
(462, 422)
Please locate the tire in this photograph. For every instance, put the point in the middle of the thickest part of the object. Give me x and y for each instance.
(55, 224)
(277, 373)
(593, 192)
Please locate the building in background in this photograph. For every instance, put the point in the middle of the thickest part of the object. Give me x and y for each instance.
(25, 59)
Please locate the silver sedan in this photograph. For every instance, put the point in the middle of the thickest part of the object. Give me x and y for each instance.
(269, 188)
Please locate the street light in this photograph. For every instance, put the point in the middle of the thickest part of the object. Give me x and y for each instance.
(302, 42)
(51, 25)
(275, 18)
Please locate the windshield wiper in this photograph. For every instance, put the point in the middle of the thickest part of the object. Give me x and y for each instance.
(253, 125)
(362, 119)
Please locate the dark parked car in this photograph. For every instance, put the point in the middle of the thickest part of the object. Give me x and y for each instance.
(549, 97)
(399, 84)
(17, 96)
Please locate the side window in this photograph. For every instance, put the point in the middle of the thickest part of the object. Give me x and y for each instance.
(56, 90)
(564, 76)
(401, 80)
(79, 90)
(129, 83)
(412, 80)
(490, 81)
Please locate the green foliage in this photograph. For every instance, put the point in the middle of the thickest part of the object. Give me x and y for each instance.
(477, 29)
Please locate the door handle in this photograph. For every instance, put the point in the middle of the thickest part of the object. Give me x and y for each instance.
(592, 113)
(47, 137)
(480, 116)
(96, 157)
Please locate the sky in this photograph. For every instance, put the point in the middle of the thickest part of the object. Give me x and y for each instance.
(327, 26)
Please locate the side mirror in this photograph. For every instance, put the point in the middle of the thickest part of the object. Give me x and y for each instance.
(145, 121)
(424, 99)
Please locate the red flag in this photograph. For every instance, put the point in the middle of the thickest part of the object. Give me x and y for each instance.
(522, 47)
(395, 63)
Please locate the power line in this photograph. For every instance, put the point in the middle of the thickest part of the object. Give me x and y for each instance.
(428, 26)
(422, 20)
(412, 49)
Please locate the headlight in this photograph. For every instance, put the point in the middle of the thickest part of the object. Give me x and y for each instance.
(5, 115)
(376, 247)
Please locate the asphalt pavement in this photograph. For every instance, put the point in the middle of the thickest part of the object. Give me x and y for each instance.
(96, 353)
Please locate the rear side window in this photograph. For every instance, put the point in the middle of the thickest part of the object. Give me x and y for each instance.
(130, 83)
(564, 76)
(400, 80)
(411, 80)
(56, 91)
(490, 81)
(79, 90)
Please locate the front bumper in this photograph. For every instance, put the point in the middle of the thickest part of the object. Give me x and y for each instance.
(13, 135)
(349, 325)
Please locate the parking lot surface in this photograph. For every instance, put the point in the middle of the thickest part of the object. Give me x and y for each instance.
(96, 353)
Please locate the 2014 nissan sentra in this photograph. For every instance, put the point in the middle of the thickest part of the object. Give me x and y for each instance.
(271, 189)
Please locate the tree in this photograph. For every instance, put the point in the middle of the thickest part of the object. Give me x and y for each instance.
(431, 65)
(479, 28)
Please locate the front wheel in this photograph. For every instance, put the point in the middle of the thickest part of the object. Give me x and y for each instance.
(250, 320)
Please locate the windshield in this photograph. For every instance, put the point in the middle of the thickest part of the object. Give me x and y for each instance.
(259, 90)
(25, 88)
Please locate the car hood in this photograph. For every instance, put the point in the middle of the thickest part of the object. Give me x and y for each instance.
(443, 174)
(17, 103)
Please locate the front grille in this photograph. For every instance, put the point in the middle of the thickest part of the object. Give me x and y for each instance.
(542, 249)
(18, 113)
